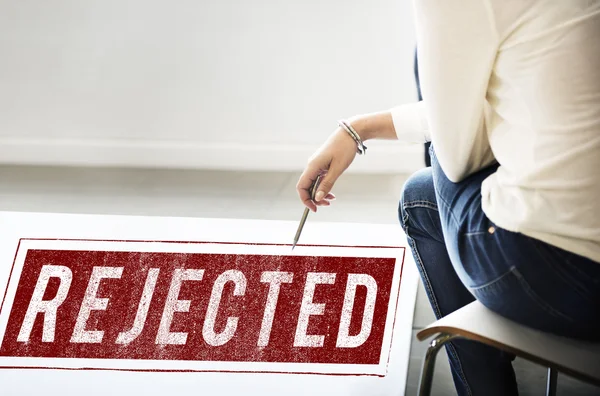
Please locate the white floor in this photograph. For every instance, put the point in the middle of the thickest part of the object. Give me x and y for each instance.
(242, 195)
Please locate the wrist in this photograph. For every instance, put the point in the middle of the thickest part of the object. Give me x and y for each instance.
(374, 126)
(349, 129)
(363, 126)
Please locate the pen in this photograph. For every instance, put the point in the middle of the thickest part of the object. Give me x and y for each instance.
(313, 190)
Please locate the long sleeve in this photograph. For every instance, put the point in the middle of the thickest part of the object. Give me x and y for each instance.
(457, 44)
(517, 82)
(410, 122)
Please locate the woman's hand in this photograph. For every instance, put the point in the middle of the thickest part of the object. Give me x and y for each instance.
(330, 161)
(338, 152)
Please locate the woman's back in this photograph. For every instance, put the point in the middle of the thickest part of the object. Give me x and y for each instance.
(545, 124)
(532, 69)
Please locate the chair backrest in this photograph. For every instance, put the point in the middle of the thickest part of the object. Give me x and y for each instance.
(576, 358)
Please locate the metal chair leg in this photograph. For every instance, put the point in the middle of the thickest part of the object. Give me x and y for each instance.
(429, 362)
(551, 382)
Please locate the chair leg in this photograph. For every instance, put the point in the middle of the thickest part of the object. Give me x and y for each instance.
(429, 362)
(551, 382)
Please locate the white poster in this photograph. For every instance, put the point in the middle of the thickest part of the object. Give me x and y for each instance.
(119, 305)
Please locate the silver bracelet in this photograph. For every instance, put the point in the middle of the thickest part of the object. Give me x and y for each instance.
(361, 148)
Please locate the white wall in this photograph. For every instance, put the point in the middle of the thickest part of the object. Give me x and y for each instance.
(232, 84)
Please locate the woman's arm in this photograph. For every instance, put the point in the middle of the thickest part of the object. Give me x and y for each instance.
(406, 123)
(458, 43)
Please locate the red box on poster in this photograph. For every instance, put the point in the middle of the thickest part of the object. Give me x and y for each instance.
(198, 306)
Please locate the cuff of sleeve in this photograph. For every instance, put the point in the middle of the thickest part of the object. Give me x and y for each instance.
(410, 123)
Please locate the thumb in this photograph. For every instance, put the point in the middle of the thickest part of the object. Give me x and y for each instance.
(328, 181)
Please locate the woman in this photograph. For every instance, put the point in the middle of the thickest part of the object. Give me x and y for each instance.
(509, 212)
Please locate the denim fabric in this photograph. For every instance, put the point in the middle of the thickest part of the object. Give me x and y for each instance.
(462, 255)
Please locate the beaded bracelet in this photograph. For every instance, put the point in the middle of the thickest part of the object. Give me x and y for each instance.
(361, 148)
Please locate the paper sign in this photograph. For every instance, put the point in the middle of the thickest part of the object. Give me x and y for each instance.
(208, 299)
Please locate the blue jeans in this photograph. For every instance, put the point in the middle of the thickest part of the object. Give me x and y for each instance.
(462, 256)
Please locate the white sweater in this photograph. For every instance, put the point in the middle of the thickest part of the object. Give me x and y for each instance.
(517, 82)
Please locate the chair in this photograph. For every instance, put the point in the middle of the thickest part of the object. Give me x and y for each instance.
(577, 359)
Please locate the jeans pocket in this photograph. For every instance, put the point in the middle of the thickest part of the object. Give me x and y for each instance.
(512, 296)
(480, 258)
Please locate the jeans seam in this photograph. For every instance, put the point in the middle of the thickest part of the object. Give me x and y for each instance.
(450, 212)
(496, 280)
(420, 204)
(475, 233)
(436, 307)
(427, 282)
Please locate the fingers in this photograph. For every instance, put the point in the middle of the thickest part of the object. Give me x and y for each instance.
(326, 201)
(328, 181)
(304, 184)
(303, 188)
